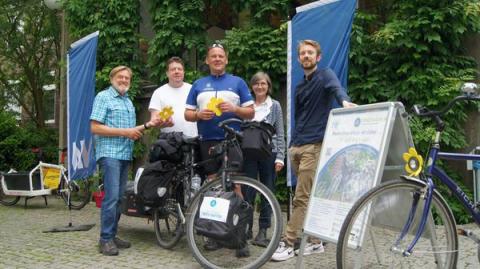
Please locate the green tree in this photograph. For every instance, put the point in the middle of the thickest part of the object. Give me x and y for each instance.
(411, 51)
(248, 53)
(28, 55)
(415, 56)
(179, 28)
(16, 143)
(118, 44)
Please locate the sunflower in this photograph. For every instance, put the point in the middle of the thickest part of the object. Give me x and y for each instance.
(413, 162)
(166, 113)
(213, 105)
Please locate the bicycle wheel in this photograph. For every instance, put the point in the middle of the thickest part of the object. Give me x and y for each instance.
(79, 192)
(370, 231)
(168, 224)
(225, 257)
(7, 200)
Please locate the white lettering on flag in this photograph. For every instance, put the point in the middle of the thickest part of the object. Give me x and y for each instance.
(80, 158)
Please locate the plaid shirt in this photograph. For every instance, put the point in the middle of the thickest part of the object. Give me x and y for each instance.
(117, 111)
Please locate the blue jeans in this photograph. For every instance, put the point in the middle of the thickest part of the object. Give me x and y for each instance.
(115, 176)
(265, 169)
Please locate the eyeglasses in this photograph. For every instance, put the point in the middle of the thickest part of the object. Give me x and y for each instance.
(217, 45)
(260, 84)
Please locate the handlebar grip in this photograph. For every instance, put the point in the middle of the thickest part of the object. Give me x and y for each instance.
(418, 109)
(230, 130)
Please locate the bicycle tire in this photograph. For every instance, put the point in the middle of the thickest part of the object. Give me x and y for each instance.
(168, 225)
(79, 191)
(7, 200)
(224, 257)
(382, 212)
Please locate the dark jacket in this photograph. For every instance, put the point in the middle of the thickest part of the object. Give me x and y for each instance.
(312, 105)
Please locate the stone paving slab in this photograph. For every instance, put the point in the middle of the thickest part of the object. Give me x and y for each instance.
(24, 245)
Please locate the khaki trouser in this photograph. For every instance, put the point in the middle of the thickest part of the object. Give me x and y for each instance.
(304, 160)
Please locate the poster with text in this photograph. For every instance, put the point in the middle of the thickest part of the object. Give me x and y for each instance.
(349, 165)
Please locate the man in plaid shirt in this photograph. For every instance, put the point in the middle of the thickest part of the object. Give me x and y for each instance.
(113, 124)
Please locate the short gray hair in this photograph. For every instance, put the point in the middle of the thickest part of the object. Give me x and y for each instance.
(259, 76)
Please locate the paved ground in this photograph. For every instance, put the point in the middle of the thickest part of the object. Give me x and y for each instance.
(23, 245)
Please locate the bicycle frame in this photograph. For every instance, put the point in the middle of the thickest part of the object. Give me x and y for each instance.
(433, 170)
(459, 193)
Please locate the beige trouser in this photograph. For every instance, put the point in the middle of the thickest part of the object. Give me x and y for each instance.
(304, 160)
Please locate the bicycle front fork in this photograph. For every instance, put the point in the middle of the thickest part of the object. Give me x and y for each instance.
(426, 194)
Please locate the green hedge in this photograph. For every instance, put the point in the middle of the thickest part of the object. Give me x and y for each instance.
(16, 143)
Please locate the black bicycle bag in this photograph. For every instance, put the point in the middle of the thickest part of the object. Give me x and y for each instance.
(168, 147)
(257, 140)
(154, 182)
(224, 217)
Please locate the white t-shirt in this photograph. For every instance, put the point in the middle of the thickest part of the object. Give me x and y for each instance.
(165, 96)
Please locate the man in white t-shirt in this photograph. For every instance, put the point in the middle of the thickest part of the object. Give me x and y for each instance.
(173, 94)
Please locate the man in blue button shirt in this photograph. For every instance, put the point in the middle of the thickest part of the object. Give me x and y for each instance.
(113, 123)
(312, 107)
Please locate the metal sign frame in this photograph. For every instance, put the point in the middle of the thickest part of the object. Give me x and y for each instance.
(362, 147)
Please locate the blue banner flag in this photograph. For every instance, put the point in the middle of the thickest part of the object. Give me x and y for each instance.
(329, 22)
(81, 65)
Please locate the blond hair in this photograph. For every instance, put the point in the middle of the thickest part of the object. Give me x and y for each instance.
(310, 42)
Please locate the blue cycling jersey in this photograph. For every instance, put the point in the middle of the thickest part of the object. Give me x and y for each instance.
(228, 87)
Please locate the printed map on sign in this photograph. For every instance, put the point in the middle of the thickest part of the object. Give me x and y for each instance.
(348, 167)
(349, 172)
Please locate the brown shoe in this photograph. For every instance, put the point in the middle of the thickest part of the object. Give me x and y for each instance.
(108, 248)
(121, 244)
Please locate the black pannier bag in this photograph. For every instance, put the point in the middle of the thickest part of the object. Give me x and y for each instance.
(257, 139)
(131, 204)
(168, 147)
(230, 233)
(154, 183)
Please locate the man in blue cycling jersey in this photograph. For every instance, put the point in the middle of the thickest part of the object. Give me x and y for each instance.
(234, 101)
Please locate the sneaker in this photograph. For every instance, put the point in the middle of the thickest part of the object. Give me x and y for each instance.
(283, 252)
(311, 248)
(108, 248)
(121, 244)
(296, 245)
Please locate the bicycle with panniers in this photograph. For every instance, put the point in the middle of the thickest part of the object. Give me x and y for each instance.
(218, 213)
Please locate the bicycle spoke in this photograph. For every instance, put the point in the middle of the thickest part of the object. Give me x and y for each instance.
(369, 236)
(225, 257)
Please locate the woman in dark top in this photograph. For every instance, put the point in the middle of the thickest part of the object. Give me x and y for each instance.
(269, 110)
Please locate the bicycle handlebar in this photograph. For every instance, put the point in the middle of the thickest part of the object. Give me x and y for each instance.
(422, 111)
(224, 125)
